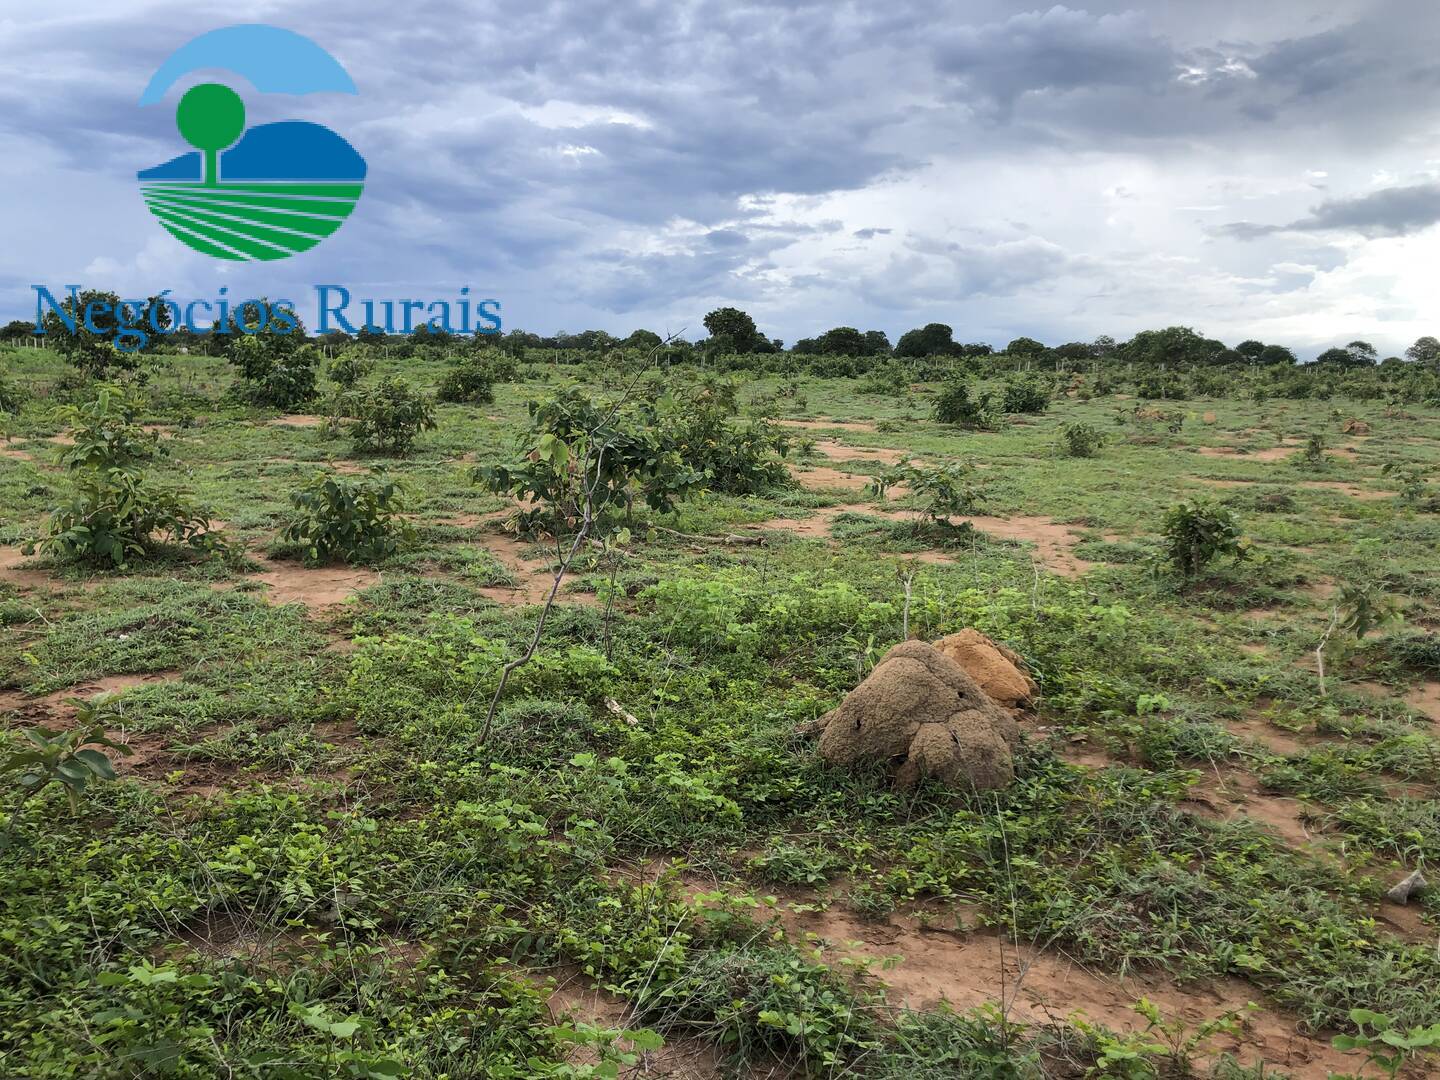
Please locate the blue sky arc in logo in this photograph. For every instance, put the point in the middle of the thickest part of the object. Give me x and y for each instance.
(262, 193)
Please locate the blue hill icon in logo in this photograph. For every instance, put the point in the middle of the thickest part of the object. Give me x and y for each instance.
(265, 193)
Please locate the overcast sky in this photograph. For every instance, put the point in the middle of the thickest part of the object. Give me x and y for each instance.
(1267, 170)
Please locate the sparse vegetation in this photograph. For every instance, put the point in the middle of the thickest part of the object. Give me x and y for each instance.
(348, 843)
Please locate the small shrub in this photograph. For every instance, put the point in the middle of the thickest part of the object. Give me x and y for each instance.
(1081, 440)
(1413, 484)
(12, 397)
(113, 512)
(468, 382)
(501, 368)
(273, 371)
(349, 368)
(1197, 533)
(1314, 456)
(92, 353)
(357, 520)
(945, 490)
(1386, 1045)
(891, 379)
(1026, 393)
(68, 758)
(953, 405)
(104, 433)
(388, 416)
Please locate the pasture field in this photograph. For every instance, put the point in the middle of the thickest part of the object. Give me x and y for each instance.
(320, 858)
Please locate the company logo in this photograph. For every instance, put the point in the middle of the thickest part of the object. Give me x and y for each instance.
(259, 193)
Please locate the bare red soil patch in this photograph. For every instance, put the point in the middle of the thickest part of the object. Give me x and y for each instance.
(18, 569)
(1237, 796)
(314, 586)
(823, 478)
(56, 704)
(967, 970)
(1274, 453)
(1425, 699)
(837, 451)
(1054, 543)
(300, 420)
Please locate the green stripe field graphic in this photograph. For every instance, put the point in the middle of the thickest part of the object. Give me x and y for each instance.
(251, 221)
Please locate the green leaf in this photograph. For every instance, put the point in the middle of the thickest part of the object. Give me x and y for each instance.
(98, 763)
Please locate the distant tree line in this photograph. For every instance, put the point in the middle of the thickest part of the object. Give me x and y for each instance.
(736, 343)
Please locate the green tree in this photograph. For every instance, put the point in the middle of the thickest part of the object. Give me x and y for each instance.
(843, 341)
(877, 343)
(1426, 350)
(1174, 345)
(91, 351)
(1362, 353)
(733, 329)
(644, 340)
(933, 339)
(1024, 346)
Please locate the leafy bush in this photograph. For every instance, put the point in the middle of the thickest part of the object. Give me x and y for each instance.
(1314, 456)
(578, 453)
(113, 512)
(388, 416)
(954, 405)
(104, 433)
(92, 353)
(468, 381)
(358, 520)
(12, 397)
(68, 758)
(1197, 533)
(1026, 393)
(695, 422)
(891, 379)
(1081, 440)
(350, 367)
(945, 490)
(501, 368)
(276, 373)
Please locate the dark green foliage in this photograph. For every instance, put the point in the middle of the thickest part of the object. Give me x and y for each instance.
(581, 455)
(274, 373)
(1199, 532)
(277, 368)
(698, 423)
(12, 397)
(954, 405)
(468, 381)
(69, 758)
(1027, 393)
(355, 519)
(732, 329)
(91, 352)
(387, 416)
(114, 512)
(1081, 440)
(349, 368)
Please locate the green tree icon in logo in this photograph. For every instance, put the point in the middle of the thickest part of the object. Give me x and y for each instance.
(210, 118)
